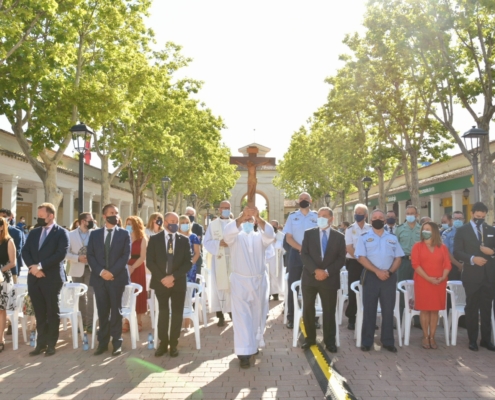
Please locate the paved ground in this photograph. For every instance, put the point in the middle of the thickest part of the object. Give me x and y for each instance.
(210, 373)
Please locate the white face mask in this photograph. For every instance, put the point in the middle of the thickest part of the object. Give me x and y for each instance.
(322, 222)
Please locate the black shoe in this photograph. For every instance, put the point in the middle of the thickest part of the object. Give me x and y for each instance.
(473, 346)
(38, 350)
(290, 325)
(487, 345)
(275, 297)
(365, 348)
(332, 348)
(221, 322)
(100, 350)
(50, 351)
(392, 349)
(307, 345)
(174, 352)
(9, 330)
(117, 351)
(244, 362)
(351, 326)
(317, 325)
(162, 350)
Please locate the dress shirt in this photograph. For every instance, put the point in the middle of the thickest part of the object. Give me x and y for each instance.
(381, 251)
(297, 223)
(173, 239)
(476, 233)
(105, 233)
(327, 230)
(353, 233)
(47, 229)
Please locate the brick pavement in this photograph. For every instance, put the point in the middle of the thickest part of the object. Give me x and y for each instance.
(210, 373)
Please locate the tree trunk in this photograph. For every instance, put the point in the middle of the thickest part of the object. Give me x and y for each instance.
(359, 186)
(105, 180)
(154, 197)
(486, 174)
(52, 193)
(381, 189)
(414, 180)
(343, 206)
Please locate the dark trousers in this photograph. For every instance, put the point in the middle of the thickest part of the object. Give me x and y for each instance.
(375, 289)
(328, 302)
(354, 271)
(44, 297)
(177, 296)
(295, 271)
(478, 306)
(404, 273)
(86, 301)
(109, 304)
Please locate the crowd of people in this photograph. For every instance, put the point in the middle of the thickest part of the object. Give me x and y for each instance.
(247, 259)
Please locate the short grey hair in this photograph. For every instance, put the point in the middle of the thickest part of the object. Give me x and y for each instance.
(361, 206)
(326, 209)
(377, 210)
(191, 209)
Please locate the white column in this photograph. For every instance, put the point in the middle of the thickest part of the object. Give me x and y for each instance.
(9, 193)
(68, 205)
(402, 211)
(436, 209)
(389, 207)
(457, 201)
(88, 202)
(39, 197)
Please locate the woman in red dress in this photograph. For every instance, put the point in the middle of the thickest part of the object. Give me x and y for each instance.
(430, 260)
(137, 267)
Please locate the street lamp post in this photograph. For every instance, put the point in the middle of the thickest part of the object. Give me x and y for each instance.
(367, 182)
(165, 186)
(327, 199)
(193, 197)
(472, 139)
(81, 134)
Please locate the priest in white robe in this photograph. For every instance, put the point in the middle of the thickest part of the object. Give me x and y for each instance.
(275, 262)
(218, 264)
(248, 281)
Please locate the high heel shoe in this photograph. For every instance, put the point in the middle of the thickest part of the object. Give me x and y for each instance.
(433, 344)
(426, 342)
(2, 347)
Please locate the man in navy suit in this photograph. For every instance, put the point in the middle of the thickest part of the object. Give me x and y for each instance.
(108, 252)
(44, 253)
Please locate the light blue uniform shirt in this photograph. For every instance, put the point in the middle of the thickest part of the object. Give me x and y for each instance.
(380, 250)
(298, 223)
(448, 238)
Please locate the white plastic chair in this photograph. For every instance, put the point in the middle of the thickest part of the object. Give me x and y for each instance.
(358, 290)
(298, 313)
(493, 323)
(202, 300)
(189, 312)
(458, 302)
(342, 293)
(407, 287)
(128, 311)
(286, 296)
(17, 314)
(69, 308)
(151, 307)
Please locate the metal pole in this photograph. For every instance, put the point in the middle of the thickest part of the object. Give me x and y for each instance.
(476, 182)
(366, 197)
(165, 207)
(81, 183)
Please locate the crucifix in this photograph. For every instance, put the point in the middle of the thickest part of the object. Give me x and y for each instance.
(251, 162)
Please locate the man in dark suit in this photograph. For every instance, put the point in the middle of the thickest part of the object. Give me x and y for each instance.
(474, 245)
(168, 257)
(108, 252)
(323, 255)
(18, 237)
(197, 229)
(44, 253)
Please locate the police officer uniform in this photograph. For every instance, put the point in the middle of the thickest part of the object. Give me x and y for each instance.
(297, 223)
(354, 269)
(391, 229)
(381, 251)
(448, 240)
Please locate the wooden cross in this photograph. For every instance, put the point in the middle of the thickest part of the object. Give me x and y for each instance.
(251, 162)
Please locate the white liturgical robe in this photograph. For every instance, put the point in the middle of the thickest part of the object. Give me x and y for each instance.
(218, 299)
(249, 285)
(275, 261)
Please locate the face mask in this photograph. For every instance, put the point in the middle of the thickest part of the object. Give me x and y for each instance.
(410, 218)
(304, 204)
(159, 221)
(458, 223)
(248, 227)
(41, 222)
(391, 221)
(322, 222)
(426, 234)
(128, 228)
(191, 218)
(478, 221)
(378, 224)
(445, 226)
(226, 214)
(112, 220)
(358, 218)
(172, 228)
(91, 224)
(184, 227)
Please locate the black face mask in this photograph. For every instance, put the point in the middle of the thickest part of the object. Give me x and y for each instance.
(391, 221)
(478, 221)
(41, 222)
(378, 224)
(304, 204)
(191, 218)
(91, 224)
(112, 220)
(159, 221)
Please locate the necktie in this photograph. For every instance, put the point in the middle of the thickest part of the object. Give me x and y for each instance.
(324, 242)
(480, 235)
(392, 230)
(108, 241)
(43, 237)
(170, 253)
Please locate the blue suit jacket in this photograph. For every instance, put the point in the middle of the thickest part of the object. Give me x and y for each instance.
(51, 255)
(18, 237)
(120, 252)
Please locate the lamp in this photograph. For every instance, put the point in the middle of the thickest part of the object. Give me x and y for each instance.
(327, 199)
(81, 134)
(465, 193)
(166, 181)
(193, 198)
(472, 140)
(367, 182)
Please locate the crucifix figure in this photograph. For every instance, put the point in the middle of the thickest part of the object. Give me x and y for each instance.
(251, 162)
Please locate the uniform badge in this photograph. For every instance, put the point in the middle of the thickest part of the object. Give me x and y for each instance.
(313, 221)
(392, 241)
(296, 219)
(353, 231)
(370, 240)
